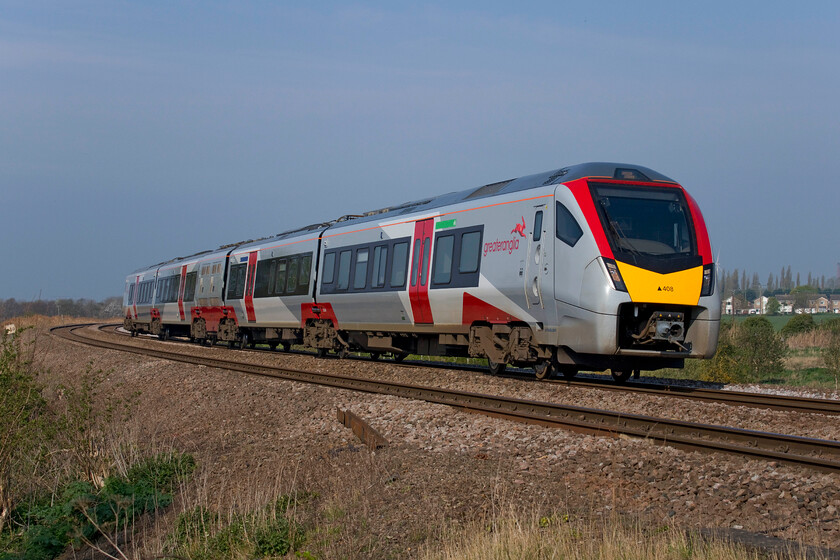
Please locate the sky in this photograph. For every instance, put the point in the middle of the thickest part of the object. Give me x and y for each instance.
(134, 132)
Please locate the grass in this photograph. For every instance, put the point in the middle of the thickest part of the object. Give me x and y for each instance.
(523, 536)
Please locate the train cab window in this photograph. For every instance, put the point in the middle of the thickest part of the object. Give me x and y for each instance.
(360, 273)
(444, 246)
(538, 225)
(343, 270)
(399, 264)
(380, 262)
(329, 268)
(568, 230)
(130, 293)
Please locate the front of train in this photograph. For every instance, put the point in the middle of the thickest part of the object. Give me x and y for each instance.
(659, 304)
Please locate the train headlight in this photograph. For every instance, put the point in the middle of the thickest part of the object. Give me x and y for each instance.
(708, 280)
(615, 275)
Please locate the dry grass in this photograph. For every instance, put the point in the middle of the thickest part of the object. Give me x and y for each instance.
(523, 536)
(817, 338)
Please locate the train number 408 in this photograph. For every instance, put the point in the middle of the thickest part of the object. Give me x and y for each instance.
(666, 289)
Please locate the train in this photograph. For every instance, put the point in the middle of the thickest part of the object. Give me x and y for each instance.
(596, 266)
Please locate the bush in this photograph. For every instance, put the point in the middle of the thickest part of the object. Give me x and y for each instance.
(797, 324)
(831, 351)
(80, 512)
(759, 348)
(24, 424)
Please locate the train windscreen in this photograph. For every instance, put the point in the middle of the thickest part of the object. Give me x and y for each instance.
(646, 224)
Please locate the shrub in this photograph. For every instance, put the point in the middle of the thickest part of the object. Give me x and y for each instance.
(80, 512)
(797, 324)
(24, 423)
(831, 350)
(760, 350)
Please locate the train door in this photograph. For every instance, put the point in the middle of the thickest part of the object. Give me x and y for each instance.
(570, 257)
(536, 265)
(249, 286)
(181, 292)
(418, 290)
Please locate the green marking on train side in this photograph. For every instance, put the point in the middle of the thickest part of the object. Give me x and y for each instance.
(443, 224)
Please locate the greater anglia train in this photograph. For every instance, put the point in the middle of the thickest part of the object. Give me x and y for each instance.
(595, 266)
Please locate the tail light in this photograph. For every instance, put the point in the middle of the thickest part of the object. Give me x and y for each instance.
(708, 280)
(615, 275)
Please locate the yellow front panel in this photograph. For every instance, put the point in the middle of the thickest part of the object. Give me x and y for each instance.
(644, 286)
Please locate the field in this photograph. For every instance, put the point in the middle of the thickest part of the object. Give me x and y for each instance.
(277, 476)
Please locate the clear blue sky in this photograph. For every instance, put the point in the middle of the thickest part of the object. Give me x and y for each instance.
(132, 132)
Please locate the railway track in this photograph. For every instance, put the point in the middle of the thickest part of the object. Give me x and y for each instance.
(809, 452)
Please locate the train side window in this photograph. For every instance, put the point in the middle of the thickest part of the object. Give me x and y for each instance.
(416, 262)
(305, 268)
(399, 264)
(272, 277)
(380, 260)
(568, 230)
(424, 271)
(329, 268)
(343, 270)
(189, 288)
(291, 282)
(538, 225)
(236, 290)
(280, 278)
(360, 274)
(442, 272)
(470, 252)
(130, 294)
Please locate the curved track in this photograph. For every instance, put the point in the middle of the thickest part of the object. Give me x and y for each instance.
(809, 452)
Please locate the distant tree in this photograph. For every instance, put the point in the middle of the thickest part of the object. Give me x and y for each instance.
(802, 296)
(773, 306)
(797, 324)
(771, 284)
(810, 280)
(797, 280)
(760, 349)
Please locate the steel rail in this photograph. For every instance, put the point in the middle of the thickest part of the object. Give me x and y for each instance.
(810, 452)
(784, 403)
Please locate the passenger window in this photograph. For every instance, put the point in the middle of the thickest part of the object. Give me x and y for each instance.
(470, 252)
(343, 270)
(568, 230)
(360, 274)
(380, 259)
(443, 259)
(538, 226)
(329, 268)
(305, 267)
(280, 279)
(291, 282)
(399, 264)
(272, 277)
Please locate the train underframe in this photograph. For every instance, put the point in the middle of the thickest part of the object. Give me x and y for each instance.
(643, 339)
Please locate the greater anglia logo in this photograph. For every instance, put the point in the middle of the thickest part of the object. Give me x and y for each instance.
(508, 245)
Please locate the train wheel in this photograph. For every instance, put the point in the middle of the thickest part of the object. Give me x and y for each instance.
(133, 333)
(543, 370)
(621, 375)
(400, 356)
(287, 346)
(321, 352)
(272, 346)
(243, 342)
(342, 353)
(231, 344)
(164, 333)
(496, 368)
(375, 356)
